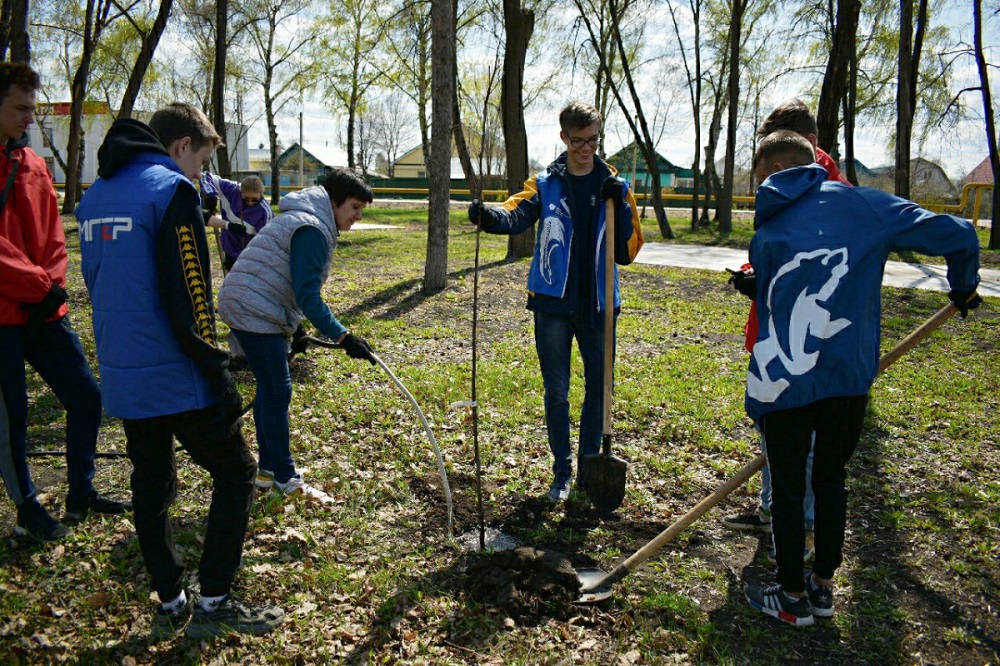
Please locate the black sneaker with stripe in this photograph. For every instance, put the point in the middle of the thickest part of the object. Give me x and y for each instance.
(774, 602)
(821, 598)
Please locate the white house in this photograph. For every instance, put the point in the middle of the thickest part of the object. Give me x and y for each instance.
(52, 124)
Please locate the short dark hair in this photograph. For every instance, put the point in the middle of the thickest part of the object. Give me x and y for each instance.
(178, 120)
(784, 146)
(792, 115)
(17, 74)
(577, 115)
(343, 183)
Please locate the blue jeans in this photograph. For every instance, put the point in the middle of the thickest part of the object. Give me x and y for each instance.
(553, 341)
(809, 503)
(267, 356)
(57, 356)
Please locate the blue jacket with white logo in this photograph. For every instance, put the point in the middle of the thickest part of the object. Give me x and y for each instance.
(146, 266)
(546, 199)
(819, 253)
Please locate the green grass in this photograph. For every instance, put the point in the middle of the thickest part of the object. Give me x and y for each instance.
(375, 579)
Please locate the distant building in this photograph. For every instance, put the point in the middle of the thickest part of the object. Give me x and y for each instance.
(301, 166)
(631, 165)
(51, 128)
(928, 181)
(412, 164)
(983, 173)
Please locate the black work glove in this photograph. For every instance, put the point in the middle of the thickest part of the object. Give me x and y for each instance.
(478, 211)
(299, 342)
(236, 227)
(356, 347)
(743, 282)
(962, 301)
(42, 310)
(614, 189)
(210, 204)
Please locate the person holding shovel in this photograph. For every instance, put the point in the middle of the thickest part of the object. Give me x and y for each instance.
(274, 286)
(818, 255)
(566, 289)
(145, 260)
(795, 116)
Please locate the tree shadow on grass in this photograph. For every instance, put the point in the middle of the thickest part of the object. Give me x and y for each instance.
(403, 297)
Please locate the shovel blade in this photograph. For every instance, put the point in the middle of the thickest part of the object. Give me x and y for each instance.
(604, 481)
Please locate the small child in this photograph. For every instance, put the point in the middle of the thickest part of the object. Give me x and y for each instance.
(244, 212)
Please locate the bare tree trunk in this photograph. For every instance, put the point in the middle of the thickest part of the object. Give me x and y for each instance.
(219, 85)
(991, 131)
(442, 93)
(724, 205)
(14, 31)
(94, 21)
(149, 43)
(458, 129)
(910, 46)
(712, 182)
(520, 24)
(850, 110)
(837, 71)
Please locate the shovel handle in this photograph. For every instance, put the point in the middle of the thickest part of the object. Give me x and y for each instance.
(742, 476)
(609, 317)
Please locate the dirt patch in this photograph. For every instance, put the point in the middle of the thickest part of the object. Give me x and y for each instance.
(527, 583)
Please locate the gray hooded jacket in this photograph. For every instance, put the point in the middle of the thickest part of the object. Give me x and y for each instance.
(257, 295)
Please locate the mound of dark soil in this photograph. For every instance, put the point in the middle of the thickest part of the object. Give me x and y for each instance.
(528, 584)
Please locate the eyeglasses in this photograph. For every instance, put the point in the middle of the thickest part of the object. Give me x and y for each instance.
(252, 201)
(578, 142)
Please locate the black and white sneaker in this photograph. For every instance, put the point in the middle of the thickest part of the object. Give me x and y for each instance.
(820, 597)
(167, 624)
(774, 602)
(233, 616)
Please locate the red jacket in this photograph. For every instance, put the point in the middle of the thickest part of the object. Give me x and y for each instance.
(32, 242)
(752, 327)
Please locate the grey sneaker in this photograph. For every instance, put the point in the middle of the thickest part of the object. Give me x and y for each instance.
(821, 598)
(759, 521)
(774, 602)
(559, 490)
(231, 616)
(167, 624)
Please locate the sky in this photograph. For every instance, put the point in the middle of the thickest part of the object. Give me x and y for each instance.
(958, 150)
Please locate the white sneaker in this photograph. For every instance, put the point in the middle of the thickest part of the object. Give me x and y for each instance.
(297, 486)
(264, 480)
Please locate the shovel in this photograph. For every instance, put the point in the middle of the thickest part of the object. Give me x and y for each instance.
(603, 474)
(595, 585)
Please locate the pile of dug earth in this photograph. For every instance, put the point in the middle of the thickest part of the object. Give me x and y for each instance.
(528, 584)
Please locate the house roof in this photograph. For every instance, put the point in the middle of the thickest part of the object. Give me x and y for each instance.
(624, 159)
(326, 155)
(983, 173)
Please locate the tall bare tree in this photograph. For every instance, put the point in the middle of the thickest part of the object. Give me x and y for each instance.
(911, 39)
(991, 131)
(442, 81)
(150, 38)
(218, 113)
(14, 31)
(97, 16)
(836, 77)
(520, 24)
(408, 44)
(284, 77)
(639, 126)
(724, 202)
(694, 82)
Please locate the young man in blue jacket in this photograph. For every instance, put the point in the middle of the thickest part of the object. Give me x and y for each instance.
(146, 265)
(818, 254)
(566, 278)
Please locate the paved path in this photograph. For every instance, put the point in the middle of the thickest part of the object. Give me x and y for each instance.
(897, 273)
